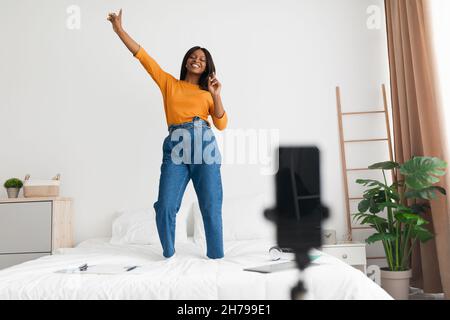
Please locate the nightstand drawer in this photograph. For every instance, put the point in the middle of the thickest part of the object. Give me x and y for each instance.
(8, 260)
(350, 255)
(25, 227)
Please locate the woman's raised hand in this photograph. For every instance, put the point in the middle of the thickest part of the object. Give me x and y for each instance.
(214, 85)
(116, 20)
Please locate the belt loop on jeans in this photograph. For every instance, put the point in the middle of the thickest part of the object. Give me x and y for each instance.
(200, 122)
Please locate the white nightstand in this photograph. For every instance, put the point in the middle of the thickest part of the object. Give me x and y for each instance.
(33, 227)
(353, 253)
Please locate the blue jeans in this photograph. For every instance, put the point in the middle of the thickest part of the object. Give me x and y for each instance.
(179, 165)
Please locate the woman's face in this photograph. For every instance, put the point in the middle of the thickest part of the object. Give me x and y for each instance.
(196, 62)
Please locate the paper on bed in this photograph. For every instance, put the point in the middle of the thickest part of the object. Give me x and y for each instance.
(102, 269)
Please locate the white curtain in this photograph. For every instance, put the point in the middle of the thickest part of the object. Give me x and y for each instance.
(440, 13)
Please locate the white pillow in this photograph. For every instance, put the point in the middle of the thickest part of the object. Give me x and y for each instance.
(242, 219)
(139, 226)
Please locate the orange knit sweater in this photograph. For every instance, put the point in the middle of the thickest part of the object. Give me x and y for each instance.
(182, 100)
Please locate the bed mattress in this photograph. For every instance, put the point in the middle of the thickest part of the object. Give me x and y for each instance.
(190, 275)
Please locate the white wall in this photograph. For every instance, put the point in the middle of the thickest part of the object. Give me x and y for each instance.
(76, 102)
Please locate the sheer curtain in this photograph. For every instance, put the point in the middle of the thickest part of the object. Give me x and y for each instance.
(440, 22)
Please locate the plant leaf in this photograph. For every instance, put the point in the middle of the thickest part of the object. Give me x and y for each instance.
(410, 218)
(374, 208)
(421, 233)
(396, 206)
(421, 172)
(375, 221)
(393, 194)
(370, 183)
(358, 216)
(426, 193)
(380, 237)
(370, 193)
(388, 165)
(363, 206)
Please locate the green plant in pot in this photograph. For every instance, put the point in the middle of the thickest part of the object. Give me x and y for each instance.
(13, 187)
(398, 212)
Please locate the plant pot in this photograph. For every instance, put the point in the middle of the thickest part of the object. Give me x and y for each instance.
(396, 283)
(12, 192)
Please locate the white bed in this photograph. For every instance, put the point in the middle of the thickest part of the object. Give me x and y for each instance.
(188, 276)
(247, 240)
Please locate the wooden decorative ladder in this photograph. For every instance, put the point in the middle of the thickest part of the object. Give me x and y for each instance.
(346, 170)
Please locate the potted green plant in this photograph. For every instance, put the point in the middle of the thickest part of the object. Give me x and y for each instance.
(13, 186)
(406, 205)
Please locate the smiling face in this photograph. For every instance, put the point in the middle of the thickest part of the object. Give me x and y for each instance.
(196, 62)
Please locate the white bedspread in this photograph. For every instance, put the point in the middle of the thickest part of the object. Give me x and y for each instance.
(188, 276)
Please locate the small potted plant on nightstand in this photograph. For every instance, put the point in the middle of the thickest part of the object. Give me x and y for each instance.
(13, 186)
(406, 203)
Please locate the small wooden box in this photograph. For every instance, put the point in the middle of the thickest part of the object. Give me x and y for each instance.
(41, 188)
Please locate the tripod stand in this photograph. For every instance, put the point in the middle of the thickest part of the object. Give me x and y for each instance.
(298, 213)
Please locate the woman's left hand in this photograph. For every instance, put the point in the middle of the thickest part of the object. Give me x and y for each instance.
(214, 85)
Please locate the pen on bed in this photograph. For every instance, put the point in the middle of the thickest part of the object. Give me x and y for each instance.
(83, 267)
(131, 268)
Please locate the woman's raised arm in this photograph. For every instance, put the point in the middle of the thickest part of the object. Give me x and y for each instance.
(159, 75)
(116, 21)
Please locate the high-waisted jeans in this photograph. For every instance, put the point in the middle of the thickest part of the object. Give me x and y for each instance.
(190, 152)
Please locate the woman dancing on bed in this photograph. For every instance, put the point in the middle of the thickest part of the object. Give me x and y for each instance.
(187, 104)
